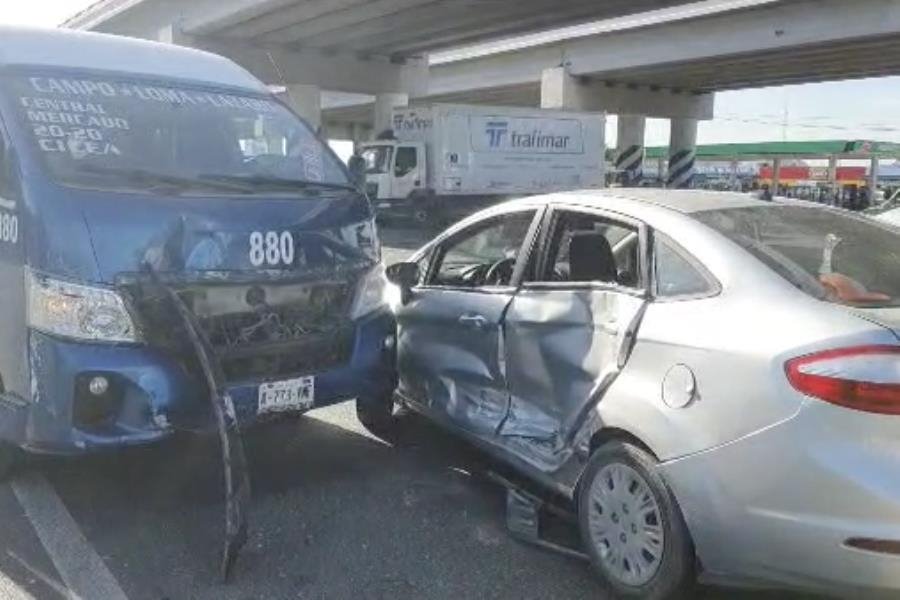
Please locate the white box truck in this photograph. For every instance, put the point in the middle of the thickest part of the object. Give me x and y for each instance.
(447, 159)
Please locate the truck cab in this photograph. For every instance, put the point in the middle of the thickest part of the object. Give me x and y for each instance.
(128, 168)
(395, 172)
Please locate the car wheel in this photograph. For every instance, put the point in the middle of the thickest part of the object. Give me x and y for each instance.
(632, 527)
(377, 414)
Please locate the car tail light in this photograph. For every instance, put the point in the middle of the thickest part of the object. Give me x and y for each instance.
(863, 378)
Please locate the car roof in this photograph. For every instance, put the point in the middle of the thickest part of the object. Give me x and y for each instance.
(67, 49)
(683, 201)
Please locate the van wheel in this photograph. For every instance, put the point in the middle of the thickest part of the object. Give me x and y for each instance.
(632, 526)
(377, 414)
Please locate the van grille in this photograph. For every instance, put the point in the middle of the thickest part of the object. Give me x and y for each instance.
(297, 330)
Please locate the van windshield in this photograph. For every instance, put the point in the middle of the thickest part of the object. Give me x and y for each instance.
(118, 133)
(830, 254)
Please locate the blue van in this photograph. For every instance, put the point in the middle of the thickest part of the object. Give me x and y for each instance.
(127, 166)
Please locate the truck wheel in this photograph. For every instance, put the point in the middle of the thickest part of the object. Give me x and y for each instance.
(377, 414)
(421, 216)
(632, 526)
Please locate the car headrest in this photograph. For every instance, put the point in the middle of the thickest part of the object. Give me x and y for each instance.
(591, 258)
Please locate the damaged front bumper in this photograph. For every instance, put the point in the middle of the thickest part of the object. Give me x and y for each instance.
(151, 394)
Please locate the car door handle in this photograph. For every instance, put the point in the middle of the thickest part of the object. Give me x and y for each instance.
(476, 321)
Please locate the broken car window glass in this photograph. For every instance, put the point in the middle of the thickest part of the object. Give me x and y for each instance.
(484, 254)
(831, 255)
(128, 134)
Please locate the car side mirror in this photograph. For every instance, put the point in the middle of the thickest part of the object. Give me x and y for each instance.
(404, 275)
(400, 171)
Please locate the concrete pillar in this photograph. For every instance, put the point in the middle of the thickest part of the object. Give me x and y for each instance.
(172, 34)
(776, 176)
(630, 149)
(873, 178)
(306, 100)
(384, 110)
(682, 153)
(832, 179)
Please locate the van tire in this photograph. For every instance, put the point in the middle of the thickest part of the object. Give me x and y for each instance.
(377, 414)
(605, 511)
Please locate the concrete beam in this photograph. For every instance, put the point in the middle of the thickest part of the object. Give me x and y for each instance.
(280, 64)
(799, 40)
(560, 89)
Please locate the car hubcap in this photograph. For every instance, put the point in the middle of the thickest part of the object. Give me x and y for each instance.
(625, 525)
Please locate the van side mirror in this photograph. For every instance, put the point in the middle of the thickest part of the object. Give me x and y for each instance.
(404, 275)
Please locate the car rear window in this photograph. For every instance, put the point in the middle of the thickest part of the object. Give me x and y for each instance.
(831, 254)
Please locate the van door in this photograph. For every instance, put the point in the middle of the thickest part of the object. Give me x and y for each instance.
(569, 329)
(407, 173)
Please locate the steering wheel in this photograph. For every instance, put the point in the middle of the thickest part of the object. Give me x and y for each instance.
(500, 272)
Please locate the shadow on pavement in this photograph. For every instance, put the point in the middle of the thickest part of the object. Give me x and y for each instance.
(335, 513)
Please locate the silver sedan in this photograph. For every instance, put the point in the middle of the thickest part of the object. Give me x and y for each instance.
(714, 380)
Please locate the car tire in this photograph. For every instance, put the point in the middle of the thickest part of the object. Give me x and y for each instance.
(377, 414)
(648, 554)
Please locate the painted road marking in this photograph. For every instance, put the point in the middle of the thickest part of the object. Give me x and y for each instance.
(79, 565)
(10, 590)
(7, 204)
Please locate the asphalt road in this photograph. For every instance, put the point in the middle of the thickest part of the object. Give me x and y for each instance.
(335, 513)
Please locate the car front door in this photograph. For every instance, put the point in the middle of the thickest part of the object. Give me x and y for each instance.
(450, 354)
(569, 329)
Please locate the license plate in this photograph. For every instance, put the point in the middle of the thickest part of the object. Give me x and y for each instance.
(288, 395)
(384, 205)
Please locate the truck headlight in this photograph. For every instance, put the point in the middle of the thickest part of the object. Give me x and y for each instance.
(77, 311)
(370, 293)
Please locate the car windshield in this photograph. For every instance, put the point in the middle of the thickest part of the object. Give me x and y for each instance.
(830, 254)
(378, 158)
(109, 133)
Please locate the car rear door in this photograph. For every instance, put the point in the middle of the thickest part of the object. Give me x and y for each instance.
(450, 357)
(568, 330)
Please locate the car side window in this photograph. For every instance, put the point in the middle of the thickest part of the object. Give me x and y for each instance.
(484, 254)
(675, 273)
(406, 160)
(584, 247)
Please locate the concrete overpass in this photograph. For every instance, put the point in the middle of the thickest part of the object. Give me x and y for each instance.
(643, 58)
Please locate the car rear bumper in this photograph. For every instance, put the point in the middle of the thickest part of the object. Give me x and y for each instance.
(152, 395)
(778, 507)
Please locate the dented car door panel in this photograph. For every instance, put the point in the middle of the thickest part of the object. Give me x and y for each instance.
(449, 359)
(563, 351)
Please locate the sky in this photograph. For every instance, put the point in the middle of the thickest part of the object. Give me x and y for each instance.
(861, 109)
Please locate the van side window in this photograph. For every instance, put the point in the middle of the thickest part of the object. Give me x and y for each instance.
(676, 274)
(406, 160)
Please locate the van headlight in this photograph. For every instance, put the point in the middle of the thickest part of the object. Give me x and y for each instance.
(77, 311)
(370, 293)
